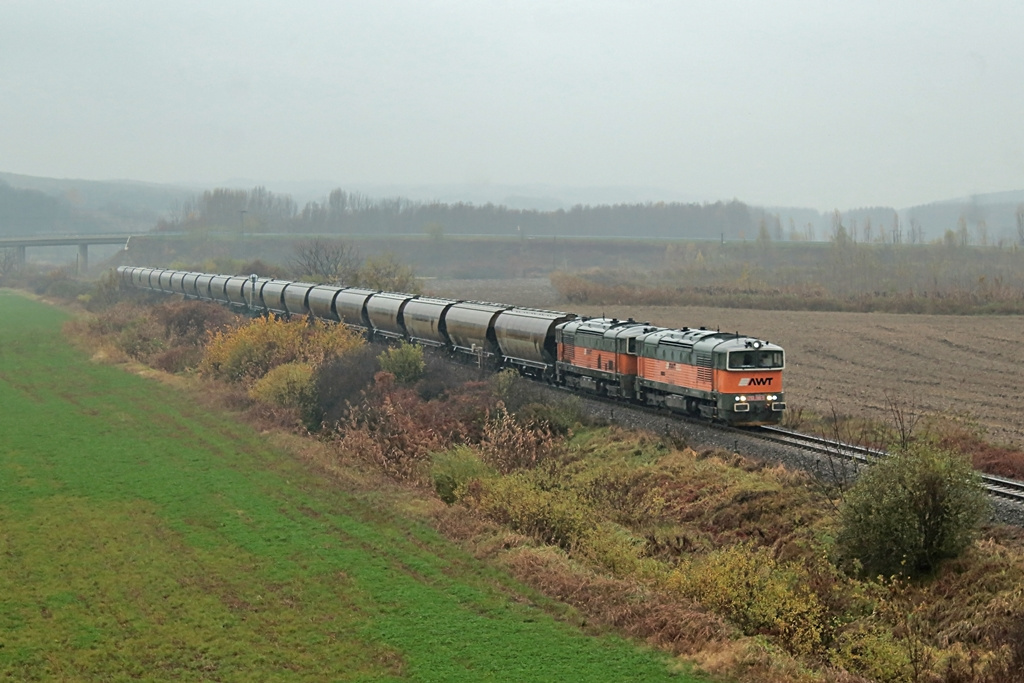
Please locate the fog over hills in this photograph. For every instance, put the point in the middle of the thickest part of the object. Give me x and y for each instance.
(127, 205)
(37, 204)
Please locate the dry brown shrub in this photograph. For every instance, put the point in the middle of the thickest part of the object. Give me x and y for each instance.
(177, 358)
(191, 322)
(384, 435)
(983, 636)
(991, 459)
(396, 430)
(510, 445)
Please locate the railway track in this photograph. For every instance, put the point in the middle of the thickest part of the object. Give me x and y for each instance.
(817, 444)
(1009, 489)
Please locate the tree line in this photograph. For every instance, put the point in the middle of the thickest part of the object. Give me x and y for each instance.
(350, 213)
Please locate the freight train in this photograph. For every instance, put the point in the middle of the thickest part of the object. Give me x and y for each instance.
(718, 375)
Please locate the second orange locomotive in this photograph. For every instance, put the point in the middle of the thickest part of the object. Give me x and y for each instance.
(718, 375)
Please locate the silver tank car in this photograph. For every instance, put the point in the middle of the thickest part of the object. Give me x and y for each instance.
(385, 312)
(321, 302)
(272, 296)
(296, 295)
(350, 305)
(424, 319)
(526, 336)
(470, 326)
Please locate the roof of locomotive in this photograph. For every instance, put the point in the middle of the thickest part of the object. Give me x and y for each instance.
(683, 337)
(708, 340)
(609, 328)
(748, 343)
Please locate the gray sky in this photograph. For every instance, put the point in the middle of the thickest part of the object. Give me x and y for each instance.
(823, 104)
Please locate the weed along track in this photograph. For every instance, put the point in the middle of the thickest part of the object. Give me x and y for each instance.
(133, 551)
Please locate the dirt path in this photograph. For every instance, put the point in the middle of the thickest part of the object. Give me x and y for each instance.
(940, 364)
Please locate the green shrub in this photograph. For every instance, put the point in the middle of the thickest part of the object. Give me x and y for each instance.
(559, 517)
(291, 385)
(248, 352)
(192, 322)
(613, 547)
(452, 470)
(561, 416)
(386, 272)
(512, 389)
(871, 651)
(759, 594)
(105, 293)
(910, 511)
(67, 289)
(404, 361)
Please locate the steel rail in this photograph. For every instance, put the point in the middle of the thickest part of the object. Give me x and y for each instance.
(994, 485)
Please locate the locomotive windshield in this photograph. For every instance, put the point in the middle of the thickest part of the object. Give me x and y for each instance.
(746, 360)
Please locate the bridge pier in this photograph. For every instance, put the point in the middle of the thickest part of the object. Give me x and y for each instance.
(83, 258)
(19, 254)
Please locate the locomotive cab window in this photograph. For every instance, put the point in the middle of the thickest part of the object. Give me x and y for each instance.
(746, 360)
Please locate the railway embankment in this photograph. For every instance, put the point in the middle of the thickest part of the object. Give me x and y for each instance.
(670, 535)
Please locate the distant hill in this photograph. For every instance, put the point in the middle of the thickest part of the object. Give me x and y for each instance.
(30, 205)
(988, 217)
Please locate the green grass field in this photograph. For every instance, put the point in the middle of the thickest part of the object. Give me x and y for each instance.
(143, 537)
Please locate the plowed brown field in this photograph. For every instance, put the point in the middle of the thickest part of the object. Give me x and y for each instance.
(957, 365)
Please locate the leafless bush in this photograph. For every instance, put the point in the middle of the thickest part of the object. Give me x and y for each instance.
(335, 261)
(905, 418)
(833, 472)
(9, 262)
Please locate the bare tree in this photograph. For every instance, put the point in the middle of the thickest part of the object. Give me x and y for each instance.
(833, 471)
(897, 229)
(916, 231)
(9, 262)
(962, 232)
(335, 261)
(905, 417)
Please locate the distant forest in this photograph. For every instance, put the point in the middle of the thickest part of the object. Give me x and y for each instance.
(352, 213)
(40, 205)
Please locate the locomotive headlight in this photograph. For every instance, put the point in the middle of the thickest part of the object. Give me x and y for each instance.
(743, 399)
(757, 345)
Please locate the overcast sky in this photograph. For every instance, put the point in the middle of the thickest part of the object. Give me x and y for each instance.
(822, 104)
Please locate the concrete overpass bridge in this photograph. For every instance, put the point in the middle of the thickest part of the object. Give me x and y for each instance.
(20, 244)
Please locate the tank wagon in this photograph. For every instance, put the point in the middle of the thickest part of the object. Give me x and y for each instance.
(718, 375)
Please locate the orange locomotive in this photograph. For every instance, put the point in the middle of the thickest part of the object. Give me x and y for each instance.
(719, 375)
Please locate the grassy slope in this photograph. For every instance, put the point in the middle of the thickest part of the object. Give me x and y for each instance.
(141, 536)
